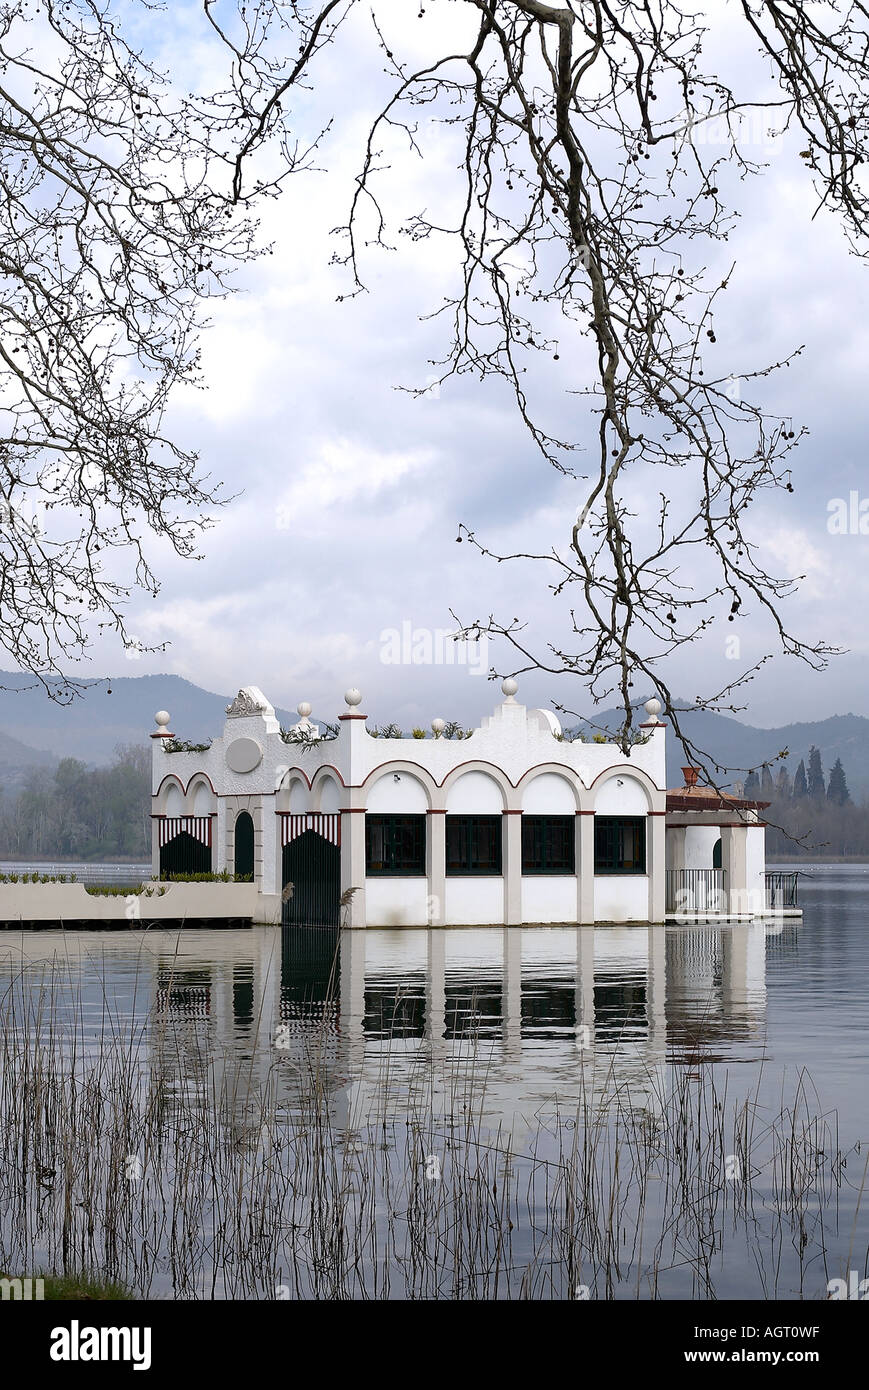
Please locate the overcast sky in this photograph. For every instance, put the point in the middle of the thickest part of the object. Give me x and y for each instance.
(351, 491)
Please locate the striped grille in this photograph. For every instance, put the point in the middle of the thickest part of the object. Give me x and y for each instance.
(197, 826)
(327, 824)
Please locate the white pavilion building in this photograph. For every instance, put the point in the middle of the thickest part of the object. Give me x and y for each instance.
(512, 824)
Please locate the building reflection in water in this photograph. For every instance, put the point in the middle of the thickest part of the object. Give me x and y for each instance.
(511, 1022)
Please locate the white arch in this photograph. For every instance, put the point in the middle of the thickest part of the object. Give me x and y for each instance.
(621, 794)
(399, 792)
(293, 793)
(173, 800)
(549, 794)
(328, 794)
(201, 799)
(475, 794)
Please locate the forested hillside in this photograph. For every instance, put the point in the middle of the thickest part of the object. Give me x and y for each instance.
(77, 812)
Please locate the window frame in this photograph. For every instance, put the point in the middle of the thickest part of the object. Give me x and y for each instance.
(466, 825)
(531, 824)
(387, 822)
(613, 864)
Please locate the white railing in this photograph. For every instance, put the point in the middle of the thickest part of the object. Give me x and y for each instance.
(696, 890)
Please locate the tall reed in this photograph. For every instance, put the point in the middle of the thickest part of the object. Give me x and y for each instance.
(134, 1147)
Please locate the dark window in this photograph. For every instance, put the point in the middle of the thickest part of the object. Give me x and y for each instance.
(716, 854)
(474, 844)
(548, 844)
(244, 845)
(395, 845)
(620, 844)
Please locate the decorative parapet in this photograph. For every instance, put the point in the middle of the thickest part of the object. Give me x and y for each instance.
(249, 701)
(253, 755)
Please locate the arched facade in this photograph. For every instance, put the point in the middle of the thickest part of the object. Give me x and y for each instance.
(183, 827)
(511, 825)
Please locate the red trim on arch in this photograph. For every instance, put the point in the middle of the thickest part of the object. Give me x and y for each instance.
(405, 765)
(327, 767)
(638, 772)
(481, 765)
(563, 769)
(173, 777)
(309, 781)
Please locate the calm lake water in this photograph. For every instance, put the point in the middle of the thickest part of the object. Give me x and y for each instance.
(525, 1028)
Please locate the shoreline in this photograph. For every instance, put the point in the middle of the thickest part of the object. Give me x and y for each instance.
(818, 859)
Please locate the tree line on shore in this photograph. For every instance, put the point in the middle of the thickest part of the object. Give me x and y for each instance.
(810, 815)
(78, 812)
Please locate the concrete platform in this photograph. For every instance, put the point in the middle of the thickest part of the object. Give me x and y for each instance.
(70, 904)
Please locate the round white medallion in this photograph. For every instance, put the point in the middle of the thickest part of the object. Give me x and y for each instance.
(243, 755)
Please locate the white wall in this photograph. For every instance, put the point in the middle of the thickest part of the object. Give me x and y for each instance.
(403, 797)
(299, 799)
(475, 794)
(699, 844)
(204, 801)
(329, 795)
(621, 796)
(621, 898)
(549, 897)
(755, 863)
(174, 805)
(548, 795)
(396, 902)
(473, 901)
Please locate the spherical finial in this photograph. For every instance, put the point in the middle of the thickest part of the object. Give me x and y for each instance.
(303, 708)
(509, 687)
(653, 709)
(161, 718)
(437, 727)
(352, 697)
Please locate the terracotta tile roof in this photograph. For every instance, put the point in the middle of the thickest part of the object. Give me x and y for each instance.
(707, 799)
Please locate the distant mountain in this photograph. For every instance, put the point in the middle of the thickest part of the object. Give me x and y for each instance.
(733, 744)
(17, 760)
(92, 725)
